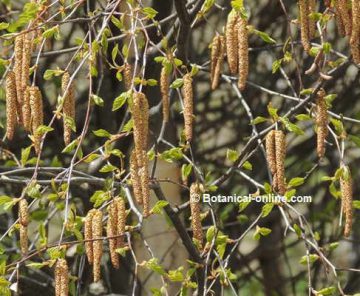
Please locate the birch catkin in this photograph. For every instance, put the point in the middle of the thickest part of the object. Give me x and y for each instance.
(68, 93)
(217, 59)
(88, 236)
(36, 106)
(111, 232)
(243, 53)
(270, 151)
(280, 149)
(11, 103)
(321, 122)
(61, 278)
(23, 214)
(231, 36)
(128, 76)
(196, 214)
(344, 14)
(26, 110)
(164, 89)
(346, 188)
(304, 23)
(23, 239)
(18, 49)
(355, 32)
(188, 96)
(135, 178)
(312, 23)
(97, 244)
(25, 69)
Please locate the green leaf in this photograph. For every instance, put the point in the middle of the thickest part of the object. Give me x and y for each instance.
(43, 129)
(326, 291)
(295, 182)
(261, 231)
(160, 204)
(70, 147)
(25, 152)
(172, 154)
(97, 100)
(49, 74)
(276, 66)
(291, 126)
(210, 233)
(4, 26)
(356, 204)
(177, 83)
(232, 155)
(266, 209)
(149, 12)
(120, 100)
(102, 133)
(176, 275)
(303, 117)
(258, 120)
(186, 170)
(153, 265)
(107, 168)
(312, 259)
(264, 36)
(247, 166)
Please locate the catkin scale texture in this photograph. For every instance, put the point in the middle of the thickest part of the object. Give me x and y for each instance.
(270, 151)
(312, 23)
(196, 213)
(128, 73)
(23, 212)
(111, 228)
(243, 53)
(164, 89)
(355, 32)
(121, 220)
(304, 23)
(217, 59)
(135, 178)
(18, 49)
(25, 69)
(36, 106)
(280, 148)
(61, 278)
(346, 189)
(188, 96)
(88, 236)
(344, 14)
(23, 239)
(231, 36)
(321, 122)
(26, 110)
(97, 244)
(11, 105)
(68, 105)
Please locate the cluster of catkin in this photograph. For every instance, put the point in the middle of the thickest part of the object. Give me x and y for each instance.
(321, 122)
(195, 194)
(218, 48)
(93, 229)
(188, 96)
(307, 25)
(68, 93)
(346, 188)
(275, 145)
(61, 278)
(165, 95)
(237, 45)
(139, 161)
(115, 228)
(23, 221)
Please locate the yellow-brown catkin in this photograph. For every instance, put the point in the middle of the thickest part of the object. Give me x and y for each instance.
(111, 231)
(188, 96)
(304, 23)
(121, 220)
(280, 150)
(128, 73)
(231, 36)
(61, 278)
(18, 49)
(88, 236)
(97, 244)
(355, 32)
(340, 24)
(312, 22)
(23, 212)
(165, 97)
(23, 239)
(26, 110)
(196, 214)
(36, 106)
(145, 189)
(243, 53)
(217, 59)
(270, 151)
(11, 105)
(342, 10)
(321, 122)
(26, 61)
(346, 188)
(68, 93)
(135, 178)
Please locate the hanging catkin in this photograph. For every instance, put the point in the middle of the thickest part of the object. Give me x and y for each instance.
(347, 197)
(217, 59)
(26, 110)
(61, 278)
(342, 10)
(270, 151)
(164, 89)
(312, 22)
(304, 23)
(26, 60)
(128, 75)
(355, 32)
(11, 102)
(18, 49)
(188, 96)
(280, 150)
(116, 228)
(68, 93)
(243, 53)
(321, 122)
(23, 214)
(97, 244)
(36, 106)
(231, 36)
(135, 178)
(196, 214)
(88, 236)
